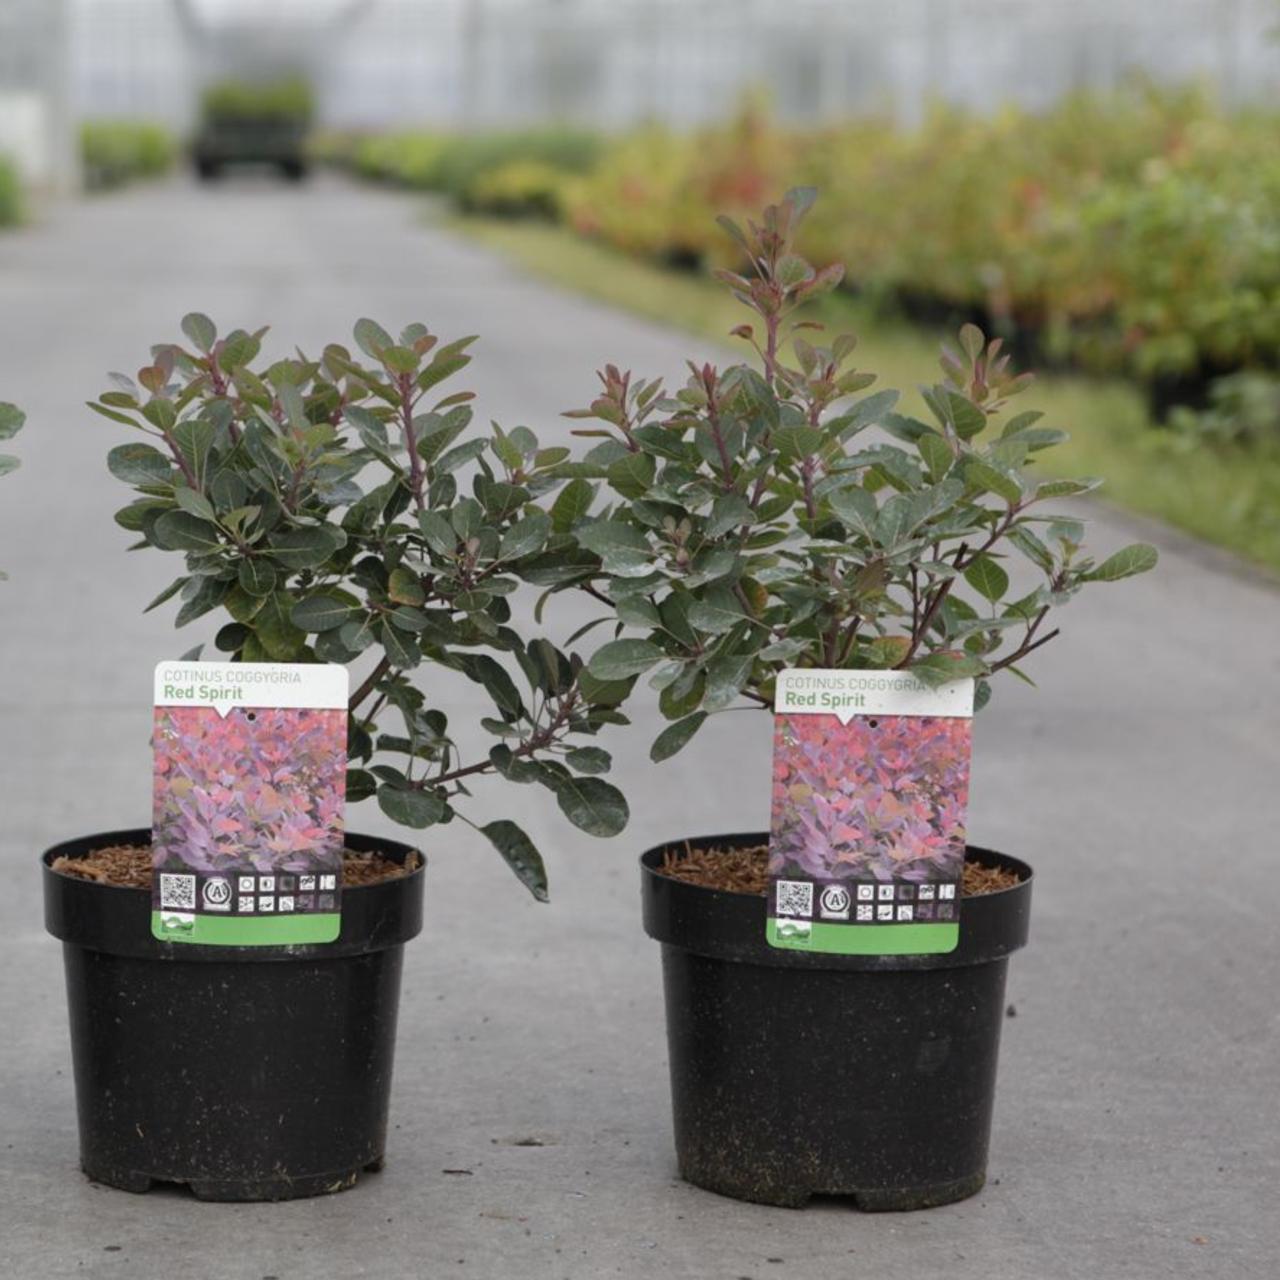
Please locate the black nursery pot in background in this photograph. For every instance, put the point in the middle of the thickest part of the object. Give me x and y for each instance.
(796, 1074)
(246, 1073)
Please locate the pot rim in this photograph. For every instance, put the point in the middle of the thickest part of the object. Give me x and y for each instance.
(651, 858)
(82, 913)
(357, 841)
(730, 925)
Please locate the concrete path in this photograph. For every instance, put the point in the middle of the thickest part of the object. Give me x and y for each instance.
(1136, 1127)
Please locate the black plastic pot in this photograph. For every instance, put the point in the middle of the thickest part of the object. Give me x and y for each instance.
(795, 1074)
(246, 1073)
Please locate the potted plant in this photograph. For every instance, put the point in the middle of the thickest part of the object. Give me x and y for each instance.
(764, 518)
(335, 510)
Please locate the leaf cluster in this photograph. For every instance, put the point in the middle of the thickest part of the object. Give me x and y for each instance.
(338, 509)
(770, 515)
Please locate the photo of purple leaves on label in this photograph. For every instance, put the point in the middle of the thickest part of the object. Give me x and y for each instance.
(869, 803)
(248, 794)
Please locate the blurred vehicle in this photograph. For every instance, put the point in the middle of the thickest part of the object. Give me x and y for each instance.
(243, 122)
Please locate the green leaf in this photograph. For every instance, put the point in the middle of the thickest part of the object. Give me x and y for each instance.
(257, 577)
(520, 855)
(589, 760)
(526, 536)
(726, 674)
(195, 504)
(571, 504)
(181, 531)
(11, 420)
(719, 611)
(208, 595)
(869, 410)
(621, 659)
(792, 270)
(981, 695)
(195, 440)
(459, 456)
(987, 578)
(139, 464)
(622, 548)
(966, 417)
(1032, 547)
(231, 638)
(856, 508)
(496, 681)
(239, 348)
(399, 359)
(277, 634)
(674, 737)
(111, 414)
(411, 807)
(636, 611)
(896, 520)
(937, 455)
(241, 605)
(592, 805)
(439, 533)
(793, 443)
(972, 341)
(371, 338)
(295, 411)
(986, 478)
(404, 587)
(167, 594)
(361, 784)
(201, 330)
(1067, 488)
(909, 429)
(632, 474)
(405, 617)
(729, 511)
(160, 413)
(402, 650)
(939, 668)
(1138, 557)
(608, 537)
(306, 548)
(370, 428)
(324, 611)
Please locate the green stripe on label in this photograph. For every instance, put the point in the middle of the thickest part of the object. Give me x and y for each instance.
(863, 939)
(247, 931)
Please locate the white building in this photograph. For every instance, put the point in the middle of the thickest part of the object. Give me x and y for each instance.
(473, 63)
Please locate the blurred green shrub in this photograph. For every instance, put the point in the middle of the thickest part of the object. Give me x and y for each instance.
(408, 159)
(657, 193)
(469, 159)
(1243, 409)
(11, 204)
(113, 152)
(287, 99)
(462, 166)
(520, 189)
(1135, 231)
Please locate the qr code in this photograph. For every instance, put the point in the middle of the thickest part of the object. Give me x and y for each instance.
(178, 892)
(795, 898)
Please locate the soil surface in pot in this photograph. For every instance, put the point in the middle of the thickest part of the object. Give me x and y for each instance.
(747, 871)
(129, 866)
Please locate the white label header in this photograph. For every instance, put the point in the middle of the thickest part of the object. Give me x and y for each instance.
(845, 694)
(223, 685)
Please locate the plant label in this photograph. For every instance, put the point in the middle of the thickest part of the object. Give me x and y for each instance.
(250, 767)
(870, 792)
